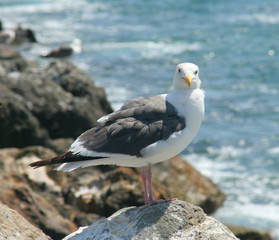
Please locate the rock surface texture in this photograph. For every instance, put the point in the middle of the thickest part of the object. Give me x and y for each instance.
(15, 227)
(38, 104)
(170, 220)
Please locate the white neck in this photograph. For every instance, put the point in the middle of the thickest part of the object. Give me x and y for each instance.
(190, 104)
(179, 96)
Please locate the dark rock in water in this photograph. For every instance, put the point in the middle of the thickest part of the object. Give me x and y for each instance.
(24, 35)
(105, 192)
(60, 100)
(14, 226)
(170, 220)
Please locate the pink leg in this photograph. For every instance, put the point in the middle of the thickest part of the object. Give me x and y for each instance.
(149, 179)
(150, 199)
(143, 175)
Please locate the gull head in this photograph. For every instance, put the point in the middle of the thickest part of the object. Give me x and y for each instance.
(186, 76)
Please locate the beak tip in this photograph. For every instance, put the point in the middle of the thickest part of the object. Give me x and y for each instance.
(188, 80)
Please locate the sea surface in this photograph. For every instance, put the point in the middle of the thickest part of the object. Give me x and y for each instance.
(131, 48)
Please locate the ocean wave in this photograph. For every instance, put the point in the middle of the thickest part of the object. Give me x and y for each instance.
(53, 7)
(147, 49)
(250, 215)
(247, 187)
(274, 151)
(262, 18)
(146, 44)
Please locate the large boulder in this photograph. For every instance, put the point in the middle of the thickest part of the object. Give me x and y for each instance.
(169, 220)
(56, 101)
(14, 226)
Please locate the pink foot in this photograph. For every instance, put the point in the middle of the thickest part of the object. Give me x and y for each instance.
(148, 194)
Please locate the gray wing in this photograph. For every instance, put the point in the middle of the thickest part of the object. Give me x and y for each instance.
(137, 124)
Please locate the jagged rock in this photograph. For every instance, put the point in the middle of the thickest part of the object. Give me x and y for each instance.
(104, 193)
(23, 35)
(35, 194)
(14, 226)
(170, 220)
(18, 126)
(57, 101)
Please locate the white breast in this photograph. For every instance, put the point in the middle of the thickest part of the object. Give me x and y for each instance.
(190, 105)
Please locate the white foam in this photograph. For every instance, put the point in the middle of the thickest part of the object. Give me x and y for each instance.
(252, 195)
(273, 151)
(250, 215)
(148, 48)
(262, 18)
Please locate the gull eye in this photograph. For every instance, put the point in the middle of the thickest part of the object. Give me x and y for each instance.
(179, 70)
(196, 72)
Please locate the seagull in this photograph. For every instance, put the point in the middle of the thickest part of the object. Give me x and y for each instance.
(144, 131)
(64, 50)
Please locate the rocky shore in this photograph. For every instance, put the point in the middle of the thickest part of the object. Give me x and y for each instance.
(42, 109)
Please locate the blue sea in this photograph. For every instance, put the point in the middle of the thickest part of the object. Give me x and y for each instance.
(131, 48)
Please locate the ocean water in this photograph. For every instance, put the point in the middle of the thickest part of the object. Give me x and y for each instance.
(131, 49)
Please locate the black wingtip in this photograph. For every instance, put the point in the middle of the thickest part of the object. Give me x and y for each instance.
(40, 163)
(64, 158)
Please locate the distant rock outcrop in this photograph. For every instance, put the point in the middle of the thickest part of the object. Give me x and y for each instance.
(170, 220)
(38, 104)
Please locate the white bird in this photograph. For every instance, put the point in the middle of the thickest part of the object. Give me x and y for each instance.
(142, 132)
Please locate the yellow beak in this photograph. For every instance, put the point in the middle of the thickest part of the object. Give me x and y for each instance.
(188, 80)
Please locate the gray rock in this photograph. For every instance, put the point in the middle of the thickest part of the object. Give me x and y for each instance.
(18, 126)
(170, 220)
(14, 226)
(56, 101)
